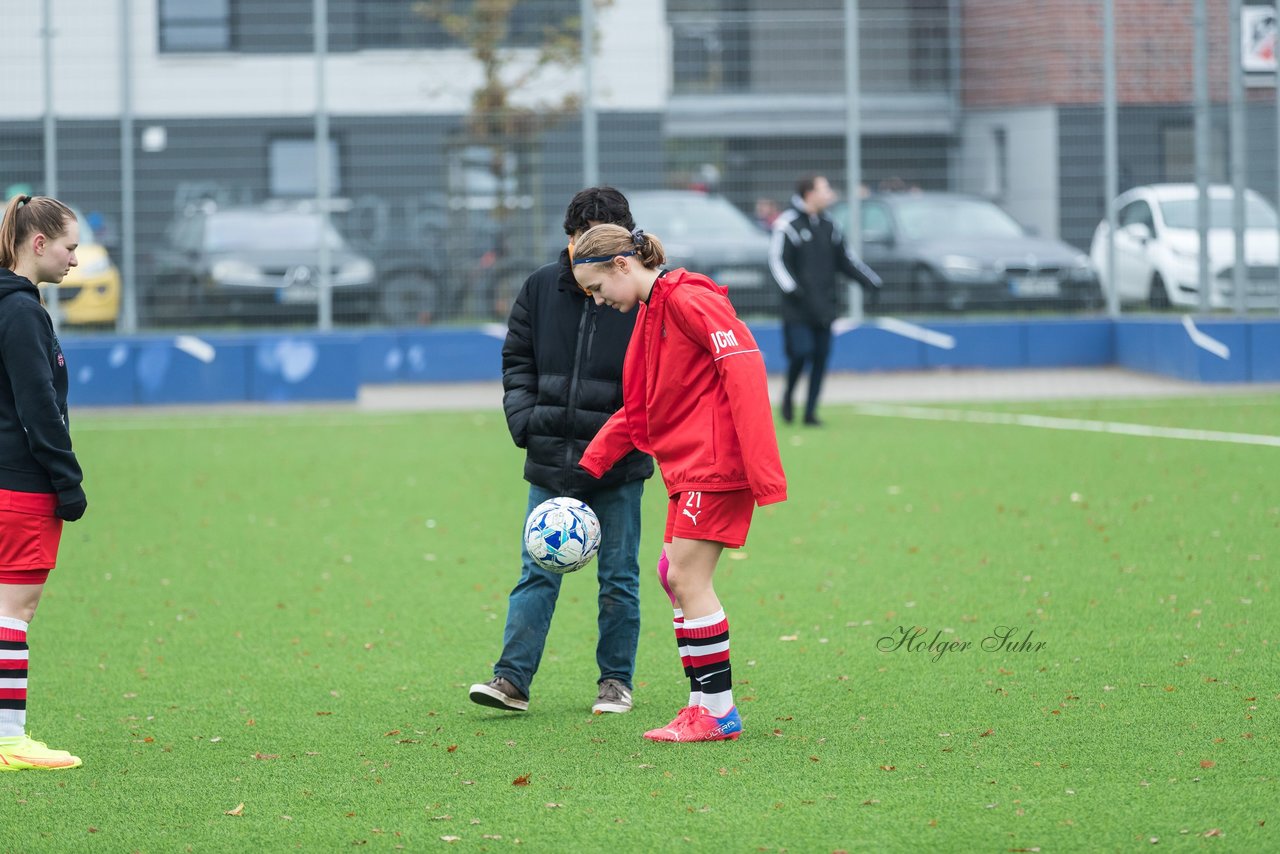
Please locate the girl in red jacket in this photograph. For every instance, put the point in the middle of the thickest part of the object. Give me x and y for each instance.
(695, 398)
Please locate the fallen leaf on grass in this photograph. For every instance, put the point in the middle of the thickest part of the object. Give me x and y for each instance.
(789, 637)
(452, 748)
(266, 756)
(1207, 763)
(888, 767)
(239, 810)
(450, 838)
(554, 806)
(392, 732)
(987, 733)
(522, 780)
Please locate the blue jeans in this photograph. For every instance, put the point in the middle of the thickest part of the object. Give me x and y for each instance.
(533, 600)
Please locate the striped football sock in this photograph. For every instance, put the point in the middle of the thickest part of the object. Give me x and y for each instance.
(695, 690)
(13, 677)
(708, 642)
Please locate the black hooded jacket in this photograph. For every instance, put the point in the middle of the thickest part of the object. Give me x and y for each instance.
(35, 442)
(562, 379)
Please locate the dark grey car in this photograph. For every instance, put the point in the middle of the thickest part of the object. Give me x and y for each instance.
(951, 251)
(256, 264)
(706, 234)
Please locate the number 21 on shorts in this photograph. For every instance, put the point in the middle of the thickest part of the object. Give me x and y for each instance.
(693, 506)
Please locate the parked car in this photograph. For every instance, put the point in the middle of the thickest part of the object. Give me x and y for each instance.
(952, 251)
(707, 234)
(89, 295)
(257, 263)
(1157, 247)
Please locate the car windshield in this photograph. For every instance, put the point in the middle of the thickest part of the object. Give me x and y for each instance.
(932, 219)
(239, 230)
(1182, 213)
(692, 216)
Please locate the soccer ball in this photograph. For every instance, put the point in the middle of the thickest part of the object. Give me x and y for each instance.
(562, 535)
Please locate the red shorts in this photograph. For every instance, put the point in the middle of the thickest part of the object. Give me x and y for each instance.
(722, 517)
(29, 536)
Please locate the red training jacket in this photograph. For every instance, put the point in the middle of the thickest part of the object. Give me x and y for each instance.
(694, 396)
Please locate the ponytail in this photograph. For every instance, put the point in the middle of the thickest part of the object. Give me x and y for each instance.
(25, 216)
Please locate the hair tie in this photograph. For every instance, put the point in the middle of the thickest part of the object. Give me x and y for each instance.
(637, 237)
(24, 200)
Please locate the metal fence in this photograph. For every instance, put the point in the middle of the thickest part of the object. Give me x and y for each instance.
(344, 163)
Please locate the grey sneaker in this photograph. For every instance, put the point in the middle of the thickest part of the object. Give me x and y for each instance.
(499, 694)
(613, 697)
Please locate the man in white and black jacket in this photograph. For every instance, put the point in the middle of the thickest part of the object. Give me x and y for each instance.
(805, 253)
(562, 377)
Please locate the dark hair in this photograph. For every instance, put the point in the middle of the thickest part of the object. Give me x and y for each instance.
(597, 204)
(806, 184)
(607, 242)
(28, 215)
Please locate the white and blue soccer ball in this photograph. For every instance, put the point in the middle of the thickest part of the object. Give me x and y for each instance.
(562, 535)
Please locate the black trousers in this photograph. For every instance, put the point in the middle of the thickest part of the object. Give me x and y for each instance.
(806, 345)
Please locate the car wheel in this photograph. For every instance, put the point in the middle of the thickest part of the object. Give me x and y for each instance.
(406, 300)
(1159, 296)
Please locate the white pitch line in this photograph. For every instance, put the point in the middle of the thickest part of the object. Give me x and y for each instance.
(1077, 424)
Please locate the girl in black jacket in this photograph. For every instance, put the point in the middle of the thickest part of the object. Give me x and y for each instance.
(39, 476)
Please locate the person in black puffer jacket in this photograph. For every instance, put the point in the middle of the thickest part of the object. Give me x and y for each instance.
(39, 475)
(562, 378)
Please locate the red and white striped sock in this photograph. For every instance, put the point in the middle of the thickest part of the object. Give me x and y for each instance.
(708, 642)
(682, 647)
(677, 623)
(13, 677)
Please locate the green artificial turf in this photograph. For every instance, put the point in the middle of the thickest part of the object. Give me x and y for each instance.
(284, 611)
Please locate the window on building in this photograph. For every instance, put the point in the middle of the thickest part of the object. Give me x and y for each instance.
(292, 164)
(397, 24)
(194, 25)
(1178, 149)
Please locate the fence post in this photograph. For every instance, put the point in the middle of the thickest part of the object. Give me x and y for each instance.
(50, 145)
(1239, 270)
(320, 25)
(590, 129)
(1200, 78)
(128, 283)
(1110, 144)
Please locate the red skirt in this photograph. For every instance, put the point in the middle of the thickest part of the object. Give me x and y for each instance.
(29, 536)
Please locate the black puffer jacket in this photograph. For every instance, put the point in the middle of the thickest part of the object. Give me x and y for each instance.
(562, 377)
(35, 444)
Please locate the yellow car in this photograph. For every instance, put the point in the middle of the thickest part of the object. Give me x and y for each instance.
(90, 294)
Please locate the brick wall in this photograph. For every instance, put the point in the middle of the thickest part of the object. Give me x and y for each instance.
(1039, 52)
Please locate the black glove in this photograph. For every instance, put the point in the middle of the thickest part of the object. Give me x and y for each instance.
(71, 504)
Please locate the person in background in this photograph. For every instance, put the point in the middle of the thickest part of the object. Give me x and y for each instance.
(562, 376)
(806, 252)
(40, 478)
(695, 395)
(767, 212)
